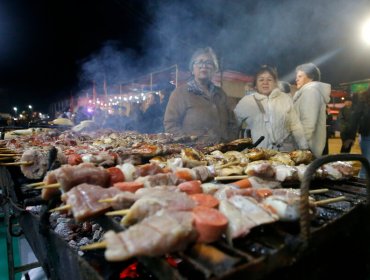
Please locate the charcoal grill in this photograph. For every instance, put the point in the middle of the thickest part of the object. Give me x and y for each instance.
(334, 243)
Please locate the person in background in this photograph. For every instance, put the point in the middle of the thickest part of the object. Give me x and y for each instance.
(270, 113)
(284, 87)
(199, 108)
(360, 122)
(343, 119)
(152, 117)
(80, 115)
(310, 102)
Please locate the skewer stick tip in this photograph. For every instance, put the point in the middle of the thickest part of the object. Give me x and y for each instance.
(118, 212)
(93, 246)
(50, 186)
(108, 200)
(61, 208)
(330, 200)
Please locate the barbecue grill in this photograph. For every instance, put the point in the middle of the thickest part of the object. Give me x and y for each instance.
(334, 243)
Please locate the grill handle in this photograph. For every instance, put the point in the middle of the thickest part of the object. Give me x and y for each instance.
(305, 185)
(259, 140)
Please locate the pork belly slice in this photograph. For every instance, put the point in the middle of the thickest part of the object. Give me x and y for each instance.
(69, 176)
(285, 173)
(84, 200)
(260, 168)
(165, 232)
(39, 166)
(258, 182)
(286, 204)
(160, 179)
(239, 224)
(253, 210)
(151, 203)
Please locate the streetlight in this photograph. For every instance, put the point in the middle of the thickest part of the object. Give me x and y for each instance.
(30, 107)
(366, 32)
(15, 110)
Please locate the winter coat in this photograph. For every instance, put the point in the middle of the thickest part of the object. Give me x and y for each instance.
(360, 117)
(279, 123)
(343, 119)
(310, 104)
(196, 114)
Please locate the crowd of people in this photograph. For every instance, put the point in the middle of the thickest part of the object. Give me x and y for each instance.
(288, 116)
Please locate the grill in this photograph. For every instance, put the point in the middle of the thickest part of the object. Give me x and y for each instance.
(334, 243)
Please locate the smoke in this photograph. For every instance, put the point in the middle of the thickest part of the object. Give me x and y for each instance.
(244, 34)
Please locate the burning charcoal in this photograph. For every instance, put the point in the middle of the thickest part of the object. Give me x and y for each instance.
(73, 244)
(35, 209)
(63, 230)
(84, 241)
(86, 227)
(95, 227)
(98, 235)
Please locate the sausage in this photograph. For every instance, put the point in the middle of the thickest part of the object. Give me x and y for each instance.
(206, 200)
(243, 184)
(129, 186)
(116, 175)
(191, 187)
(184, 173)
(210, 223)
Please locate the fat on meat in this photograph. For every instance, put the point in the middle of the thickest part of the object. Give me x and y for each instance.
(39, 166)
(84, 200)
(150, 204)
(239, 224)
(159, 234)
(253, 210)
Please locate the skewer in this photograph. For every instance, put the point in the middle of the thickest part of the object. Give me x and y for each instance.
(329, 200)
(61, 208)
(108, 200)
(16, 163)
(50, 186)
(93, 246)
(318, 191)
(7, 158)
(35, 184)
(235, 177)
(9, 154)
(118, 212)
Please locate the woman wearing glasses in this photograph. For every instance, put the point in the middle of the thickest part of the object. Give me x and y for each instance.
(199, 108)
(270, 113)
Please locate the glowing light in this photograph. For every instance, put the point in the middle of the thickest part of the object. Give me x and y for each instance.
(30, 107)
(366, 32)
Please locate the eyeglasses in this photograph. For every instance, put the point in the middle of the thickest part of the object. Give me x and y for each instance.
(207, 63)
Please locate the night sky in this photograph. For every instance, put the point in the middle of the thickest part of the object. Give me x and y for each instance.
(52, 49)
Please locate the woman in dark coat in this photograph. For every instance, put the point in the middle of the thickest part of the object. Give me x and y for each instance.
(200, 108)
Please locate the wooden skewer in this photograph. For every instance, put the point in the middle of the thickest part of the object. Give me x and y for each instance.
(235, 177)
(318, 191)
(61, 208)
(106, 200)
(50, 186)
(35, 184)
(9, 154)
(93, 246)
(118, 212)
(329, 200)
(16, 163)
(7, 158)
